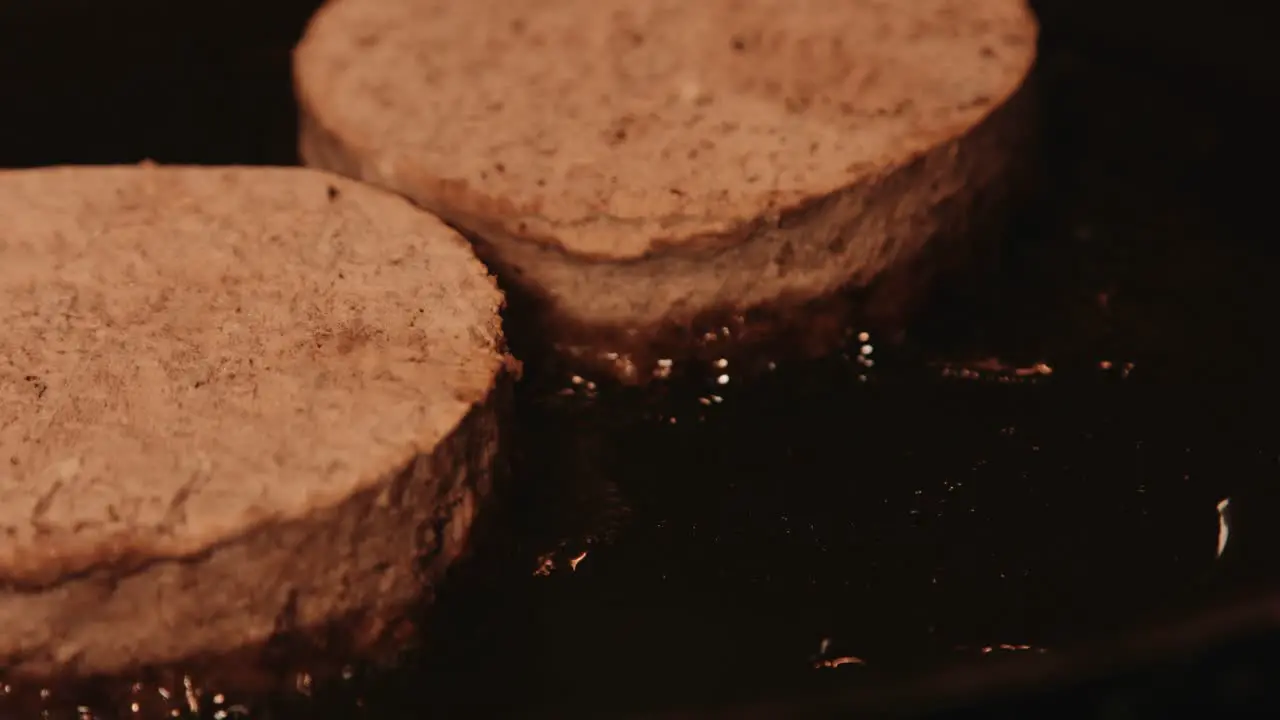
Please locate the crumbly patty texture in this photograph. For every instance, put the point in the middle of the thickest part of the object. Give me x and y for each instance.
(613, 129)
(191, 353)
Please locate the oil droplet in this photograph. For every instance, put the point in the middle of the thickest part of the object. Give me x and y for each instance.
(303, 683)
(663, 368)
(822, 660)
(1224, 524)
(837, 662)
(546, 564)
(193, 700)
(1009, 647)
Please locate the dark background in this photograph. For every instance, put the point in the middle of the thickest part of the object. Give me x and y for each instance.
(95, 81)
(913, 518)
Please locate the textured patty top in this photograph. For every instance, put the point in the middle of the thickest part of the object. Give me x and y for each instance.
(608, 127)
(189, 353)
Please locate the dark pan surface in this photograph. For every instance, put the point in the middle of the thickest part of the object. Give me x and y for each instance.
(1028, 493)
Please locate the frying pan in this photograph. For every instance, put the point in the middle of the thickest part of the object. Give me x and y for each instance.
(1053, 497)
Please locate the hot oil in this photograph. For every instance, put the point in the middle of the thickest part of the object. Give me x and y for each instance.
(841, 520)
